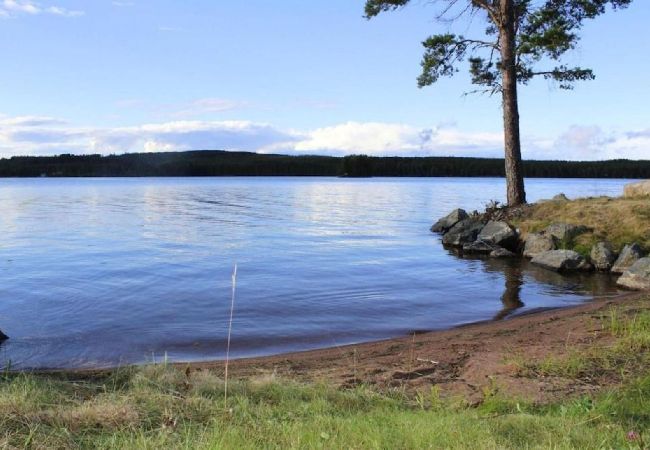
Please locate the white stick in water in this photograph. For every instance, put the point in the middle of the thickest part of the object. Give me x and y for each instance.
(232, 307)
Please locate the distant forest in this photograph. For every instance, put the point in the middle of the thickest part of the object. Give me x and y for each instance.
(224, 163)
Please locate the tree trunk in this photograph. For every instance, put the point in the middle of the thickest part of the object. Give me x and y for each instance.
(514, 172)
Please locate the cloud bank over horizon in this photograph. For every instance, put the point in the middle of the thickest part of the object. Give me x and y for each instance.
(39, 136)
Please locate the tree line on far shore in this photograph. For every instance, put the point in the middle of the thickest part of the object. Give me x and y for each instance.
(224, 163)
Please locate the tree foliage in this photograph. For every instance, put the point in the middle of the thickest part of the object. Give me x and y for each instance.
(545, 31)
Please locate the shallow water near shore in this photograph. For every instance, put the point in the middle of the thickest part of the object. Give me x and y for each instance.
(102, 272)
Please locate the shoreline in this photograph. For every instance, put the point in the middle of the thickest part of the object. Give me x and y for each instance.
(462, 360)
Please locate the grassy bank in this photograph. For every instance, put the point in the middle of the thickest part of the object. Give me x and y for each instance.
(166, 407)
(618, 220)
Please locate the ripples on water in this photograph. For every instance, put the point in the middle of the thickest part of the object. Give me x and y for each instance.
(99, 272)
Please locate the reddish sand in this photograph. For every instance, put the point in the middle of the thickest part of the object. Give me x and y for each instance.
(463, 362)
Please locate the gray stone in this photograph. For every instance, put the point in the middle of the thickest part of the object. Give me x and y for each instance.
(499, 233)
(560, 198)
(637, 276)
(479, 246)
(501, 253)
(565, 231)
(463, 232)
(602, 255)
(638, 189)
(561, 261)
(629, 255)
(451, 219)
(537, 243)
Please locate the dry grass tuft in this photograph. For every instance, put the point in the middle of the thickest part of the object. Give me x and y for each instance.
(96, 414)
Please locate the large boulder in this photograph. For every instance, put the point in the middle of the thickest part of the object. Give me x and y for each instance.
(565, 231)
(638, 189)
(629, 255)
(463, 232)
(499, 233)
(537, 243)
(443, 225)
(603, 256)
(3, 337)
(637, 276)
(561, 261)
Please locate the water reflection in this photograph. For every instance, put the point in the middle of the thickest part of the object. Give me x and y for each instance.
(511, 297)
(517, 273)
(96, 272)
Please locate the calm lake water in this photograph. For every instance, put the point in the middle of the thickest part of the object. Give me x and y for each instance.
(100, 272)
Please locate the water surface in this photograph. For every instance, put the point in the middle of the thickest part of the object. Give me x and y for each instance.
(100, 272)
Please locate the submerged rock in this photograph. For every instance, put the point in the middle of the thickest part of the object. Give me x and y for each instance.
(638, 189)
(479, 246)
(443, 225)
(499, 233)
(463, 232)
(561, 260)
(637, 276)
(602, 256)
(537, 243)
(629, 255)
(501, 253)
(565, 231)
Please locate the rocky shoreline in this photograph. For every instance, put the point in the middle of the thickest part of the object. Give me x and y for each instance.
(492, 233)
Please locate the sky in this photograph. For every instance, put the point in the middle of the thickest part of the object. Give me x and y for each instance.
(294, 77)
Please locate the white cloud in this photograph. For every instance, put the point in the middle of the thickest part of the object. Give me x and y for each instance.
(184, 110)
(168, 29)
(10, 8)
(46, 135)
(207, 106)
(375, 138)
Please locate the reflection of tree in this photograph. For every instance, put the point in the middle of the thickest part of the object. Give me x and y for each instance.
(511, 296)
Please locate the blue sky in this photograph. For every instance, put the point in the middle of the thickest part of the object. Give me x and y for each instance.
(102, 76)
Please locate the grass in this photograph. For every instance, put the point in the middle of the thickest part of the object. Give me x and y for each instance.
(628, 354)
(161, 406)
(619, 220)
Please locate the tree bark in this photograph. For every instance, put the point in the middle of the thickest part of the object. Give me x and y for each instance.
(514, 170)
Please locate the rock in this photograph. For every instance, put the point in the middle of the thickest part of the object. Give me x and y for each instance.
(637, 276)
(565, 231)
(629, 255)
(602, 255)
(451, 219)
(499, 233)
(561, 260)
(501, 252)
(3, 337)
(638, 189)
(560, 198)
(479, 246)
(463, 232)
(537, 243)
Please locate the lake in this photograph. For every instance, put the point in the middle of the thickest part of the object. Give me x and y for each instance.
(102, 272)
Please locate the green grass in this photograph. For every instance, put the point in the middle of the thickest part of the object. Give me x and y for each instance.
(155, 408)
(161, 407)
(628, 354)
